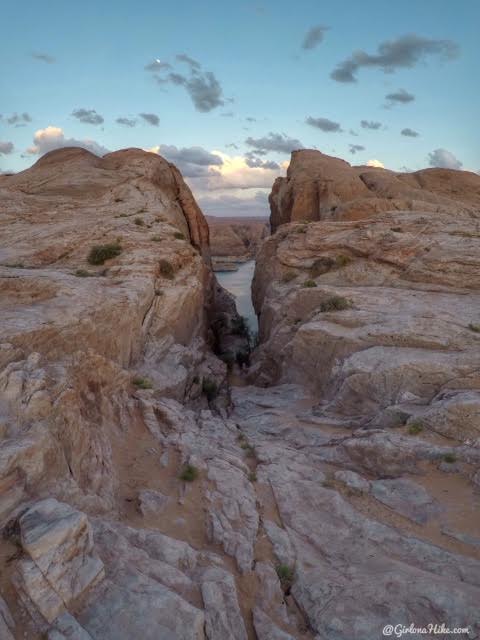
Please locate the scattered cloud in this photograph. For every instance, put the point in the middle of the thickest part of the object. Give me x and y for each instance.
(399, 97)
(203, 87)
(410, 133)
(54, 138)
(18, 119)
(192, 162)
(314, 37)
(43, 57)
(235, 206)
(157, 65)
(88, 116)
(151, 118)
(232, 145)
(353, 133)
(375, 163)
(356, 147)
(193, 64)
(370, 124)
(324, 124)
(254, 162)
(278, 142)
(444, 159)
(404, 52)
(227, 114)
(6, 148)
(250, 119)
(126, 122)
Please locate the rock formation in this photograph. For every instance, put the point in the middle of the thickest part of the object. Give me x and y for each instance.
(235, 240)
(142, 496)
(319, 187)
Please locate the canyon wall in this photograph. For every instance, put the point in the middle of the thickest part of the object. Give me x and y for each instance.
(235, 240)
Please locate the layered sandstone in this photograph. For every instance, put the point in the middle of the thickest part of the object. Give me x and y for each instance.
(321, 187)
(235, 240)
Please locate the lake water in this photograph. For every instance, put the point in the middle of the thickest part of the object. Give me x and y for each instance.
(239, 284)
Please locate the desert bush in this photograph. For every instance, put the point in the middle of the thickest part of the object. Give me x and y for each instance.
(285, 575)
(156, 238)
(166, 269)
(102, 252)
(179, 235)
(342, 260)
(335, 303)
(321, 265)
(474, 327)
(189, 473)
(289, 276)
(142, 383)
(415, 427)
(83, 273)
(309, 284)
(209, 388)
(139, 222)
(450, 458)
(252, 476)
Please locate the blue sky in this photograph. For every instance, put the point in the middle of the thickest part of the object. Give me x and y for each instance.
(89, 58)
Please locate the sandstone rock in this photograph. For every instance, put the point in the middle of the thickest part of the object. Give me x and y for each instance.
(320, 187)
(152, 502)
(7, 623)
(352, 480)
(266, 629)
(234, 240)
(61, 564)
(406, 497)
(66, 627)
(223, 620)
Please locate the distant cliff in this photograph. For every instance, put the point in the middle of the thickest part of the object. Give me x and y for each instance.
(234, 240)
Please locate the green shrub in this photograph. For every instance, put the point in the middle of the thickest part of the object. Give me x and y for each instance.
(189, 473)
(450, 458)
(335, 303)
(142, 383)
(343, 260)
(289, 276)
(285, 575)
(83, 273)
(474, 327)
(102, 252)
(139, 222)
(252, 476)
(321, 265)
(209, 388)
(309, 284)
(156, 238)
(415, 427)
(179, 235)
(166, 269)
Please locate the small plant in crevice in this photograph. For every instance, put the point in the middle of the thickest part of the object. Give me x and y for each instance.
(309, 284)
(209, 388)
(252, 476)
(166, 269)
(142, 383)
(474, 327)
(285, 574)
(189, 473)
(342, 260)
(450, 458)
(335, 303)
(156, 238)
(102, 252)
(178, 235)
(415, 428)
(321, 265)
(83, 273)
(140, 222)
(288, 276)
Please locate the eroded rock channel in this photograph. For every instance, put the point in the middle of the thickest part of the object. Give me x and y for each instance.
(337, 490)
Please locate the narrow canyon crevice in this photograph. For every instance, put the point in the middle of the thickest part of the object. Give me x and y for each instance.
(162, 475)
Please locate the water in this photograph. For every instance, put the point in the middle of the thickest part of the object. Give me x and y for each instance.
(239, 284)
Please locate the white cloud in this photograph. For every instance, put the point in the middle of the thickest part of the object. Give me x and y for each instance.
(54, 138)
(444, 159)
(375, 163)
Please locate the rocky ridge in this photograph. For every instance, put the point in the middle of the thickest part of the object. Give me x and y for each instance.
(141, 496)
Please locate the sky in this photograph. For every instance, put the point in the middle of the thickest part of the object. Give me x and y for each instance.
(226, 90)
